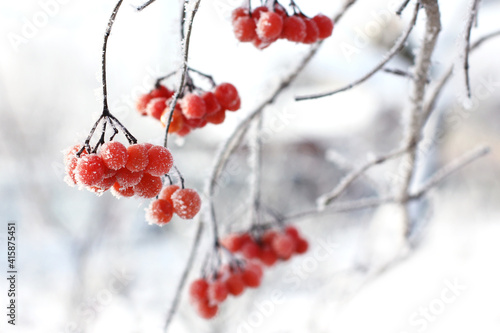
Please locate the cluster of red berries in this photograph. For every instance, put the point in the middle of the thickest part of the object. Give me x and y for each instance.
(185, 202)
(207, 294)
(127, 171)
(263, 27)
(193, 110)
(272, 246)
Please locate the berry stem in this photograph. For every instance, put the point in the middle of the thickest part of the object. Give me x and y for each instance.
(209, 77)
(184, 68)
(179, 174)
(140, 8)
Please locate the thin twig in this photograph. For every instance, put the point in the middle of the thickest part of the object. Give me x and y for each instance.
(398, 72)
(397, 47)
(184, 68)
(452, 167)
(256, 165)
(144, 6)
(468, 30)
(327, 198)
(402, 7)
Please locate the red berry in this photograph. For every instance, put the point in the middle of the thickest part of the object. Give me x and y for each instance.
(149, 186)
(187, 203)
(233, 242)
(325, 25)
(217, 118)
(177, 120)
(294, 29)
(312, 32)
(137, 157)
(70, 162)
(235, 284)
(226, 94)
(251, 277)
(127, 178)
(292, 232)
(301, 246)
(267, 256)
(235, 106)
(156, 107)
(283, 245)
(211, 102)
(196, 123)
(109, 173)
(239, 12)
(89, 170)
(269, 26)
(254, 266)
(257, 12)
(278, 9)
(160, 161)
(193, 106)
(268, 236)
(206, 310)
(198, 290)
(250, 250)
(244, 29)
(184, 131)
(217, 292)
(167, 191)
(118, 191)
(114, 155)
(260, 44)
(159, 212)
(144, 100)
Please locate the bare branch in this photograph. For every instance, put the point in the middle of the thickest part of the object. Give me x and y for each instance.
(256, 165)
(402, 7)
(452, 167)
(398, 72)
(326, 199)
(468, 30)
(398, 46)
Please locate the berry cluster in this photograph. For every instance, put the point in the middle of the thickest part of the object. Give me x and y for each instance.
(184, 202)
(263, 27)
(209, 292)
(206, 294)
(194, 110)
(271, 247)
(127, 171)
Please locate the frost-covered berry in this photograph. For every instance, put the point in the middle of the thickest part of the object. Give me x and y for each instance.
(312, 32)
(269, 26)
(294, 29)
(211, 102)
(149, 186)
(167, 191)
(127, 178)
(118, 191)
(217, 291)
(156, 107)
(159, 212)
(160, 161)
(325, 25)
(235, 284)
(89, 170)
(227, 95)
(216, 118)
(114, 155)
(187, 203)
(245, 29)
(137, 157)
(206, 310)
(284, 246)
(193, 106)
(250, 250)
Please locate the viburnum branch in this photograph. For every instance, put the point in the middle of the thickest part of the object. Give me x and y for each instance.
(144, 6)
(402, 7)
(182, 282)
(182, 80)
(256, 166)
(398, 72)
(470, 22)
(398, 46)
(327, 198)
(417, 94)
(451, 168)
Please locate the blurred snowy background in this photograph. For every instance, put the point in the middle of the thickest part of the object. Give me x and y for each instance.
(92, 264)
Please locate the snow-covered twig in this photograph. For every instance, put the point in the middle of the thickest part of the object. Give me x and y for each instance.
(468, 29)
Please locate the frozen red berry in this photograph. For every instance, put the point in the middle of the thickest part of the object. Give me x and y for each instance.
(137, 157)
(325, 25)
(235, 284)
(283, 245)
(159, 212)
(167, 191)
(114, 155)
(127, 178)
(198, 290)
(269, 26)
(89, 170)
(144, 100)
(245, 29)
(251, 275)
(301, 246)
(278, 9)
(185, 130)
(267, 256)
(160, 161)
(292, 232)
(156, 107)
(118, 191)
(239, 12)
(206, 310)
(312, 32)
(217, 291)
(250, 250)
(294, 29)
(227, 95)
(211, 102)
(233, 242)
(187, 203)
(193, 106)
(216, 118)
(149, 186)
(257, 12)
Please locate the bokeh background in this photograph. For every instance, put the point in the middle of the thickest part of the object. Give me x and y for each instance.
(92, 264)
